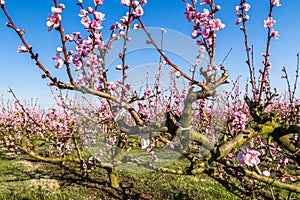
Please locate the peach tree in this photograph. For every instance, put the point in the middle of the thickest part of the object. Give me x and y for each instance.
(249, 144)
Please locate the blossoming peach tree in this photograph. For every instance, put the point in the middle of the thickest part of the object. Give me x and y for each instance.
(250, 145)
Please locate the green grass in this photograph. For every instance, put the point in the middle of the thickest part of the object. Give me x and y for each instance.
(21, 178)
(24, 178)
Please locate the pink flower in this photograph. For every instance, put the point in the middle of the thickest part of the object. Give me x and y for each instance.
(139, 10)
(86, 22)
(239, 121)
(143, 2)
(96, 24)
(59, 60)
(98, 2)
(203, 2)
(237, 8)
(250, 158)
(83, 13)
(119, 67)
(276, 3)
(53, 21)
(135, 3)
(195, 34)
(148, 92)
(266, 173)
(22, 49)
(275, 34)
(125, 2)
(218, 7)
(216, 24)
(59, 49)
(177, 74)
(2, 2)
(99, 16)
(189, 13)
(238, 21)
(269, 22)
(246, 7)
(56, 10)
(136, 26)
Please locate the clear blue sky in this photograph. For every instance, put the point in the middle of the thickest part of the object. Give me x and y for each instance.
(20, 72)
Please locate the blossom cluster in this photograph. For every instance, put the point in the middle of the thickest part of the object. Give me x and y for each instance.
(239, 120)
(248, 157)
(25, 123)
(54, 20)
(241, 12)
(205, 25)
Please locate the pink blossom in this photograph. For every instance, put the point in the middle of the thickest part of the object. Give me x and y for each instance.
(96, 24)
(266, 173)
(112, 140)
(246, 17)
(98, 2)
(70, 38)
(119, 67)
(86, 22)
(216, 24)
(203, 2)
(90, 10)
(99, 16)
(59, 60)
(124, 19)
(218, 7)
(2, 2)
(83, 13)
(59, 49)
(53, 21)
(148, 92)
(246, 7)
(112, 86)
(22, 49)
(238, 21)
(125, 2)
(205, 13)
(143, 2)
(269, 22)
(250, 158)
(275, 34)
(239, 121)
(136, 26)
(189, 13)
(237, 8)
(135, 3)
(195, 34)
(276, 3)
(177, 74)
(62, 6)
(81, 80)
(139, 10)
(55, 10)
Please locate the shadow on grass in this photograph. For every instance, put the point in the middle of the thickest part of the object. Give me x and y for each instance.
(79, 186)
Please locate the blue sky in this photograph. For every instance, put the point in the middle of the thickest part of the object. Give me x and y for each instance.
(20, 72)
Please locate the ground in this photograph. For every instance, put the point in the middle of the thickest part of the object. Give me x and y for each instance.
(25, 178)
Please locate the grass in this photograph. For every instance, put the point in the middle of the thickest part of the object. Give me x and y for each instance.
(22, 178)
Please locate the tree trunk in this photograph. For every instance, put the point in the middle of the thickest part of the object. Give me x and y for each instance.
(113, 177)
